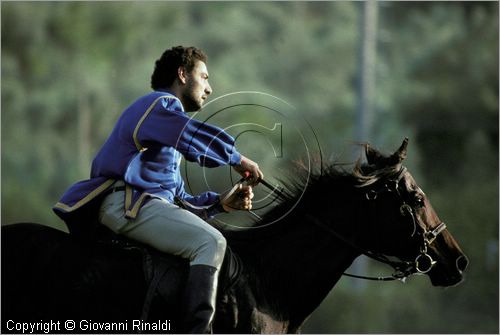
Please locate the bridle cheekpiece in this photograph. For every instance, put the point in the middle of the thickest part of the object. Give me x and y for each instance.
(423, 263)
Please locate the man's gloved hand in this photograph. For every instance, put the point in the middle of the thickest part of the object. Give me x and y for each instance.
(237, 198)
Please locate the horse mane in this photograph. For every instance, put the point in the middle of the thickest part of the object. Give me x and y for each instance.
(301, 183)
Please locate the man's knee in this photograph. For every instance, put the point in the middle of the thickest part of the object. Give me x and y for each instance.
(211, 249)
(219, 242)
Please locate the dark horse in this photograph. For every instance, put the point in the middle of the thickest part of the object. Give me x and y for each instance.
(288, 267)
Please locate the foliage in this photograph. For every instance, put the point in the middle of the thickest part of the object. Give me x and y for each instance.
(69, 69)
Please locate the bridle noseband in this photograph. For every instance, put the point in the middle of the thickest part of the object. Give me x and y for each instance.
(422, 264)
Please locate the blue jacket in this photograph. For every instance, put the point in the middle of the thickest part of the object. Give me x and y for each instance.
(145, 149)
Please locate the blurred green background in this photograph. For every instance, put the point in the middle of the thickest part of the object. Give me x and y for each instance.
(376, 73)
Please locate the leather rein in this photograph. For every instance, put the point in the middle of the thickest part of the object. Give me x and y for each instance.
(422, 264)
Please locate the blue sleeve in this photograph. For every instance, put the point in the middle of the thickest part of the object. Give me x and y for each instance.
(200, 142)
(205, 201)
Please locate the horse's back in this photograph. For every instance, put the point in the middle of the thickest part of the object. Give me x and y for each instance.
(27, 254)
(48, 274)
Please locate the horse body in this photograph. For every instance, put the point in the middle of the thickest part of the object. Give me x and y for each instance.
(47, 274)
(289, 266)
(70, 279)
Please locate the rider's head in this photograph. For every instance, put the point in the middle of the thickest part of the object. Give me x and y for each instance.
(183, 71)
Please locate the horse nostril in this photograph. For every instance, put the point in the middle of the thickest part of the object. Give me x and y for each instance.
(462, 263)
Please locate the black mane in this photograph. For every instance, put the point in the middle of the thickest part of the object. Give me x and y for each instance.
(301, 191)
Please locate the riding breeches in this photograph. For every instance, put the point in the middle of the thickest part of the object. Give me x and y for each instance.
(166, 227)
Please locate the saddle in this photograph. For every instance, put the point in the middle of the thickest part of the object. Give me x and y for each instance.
(157, 266)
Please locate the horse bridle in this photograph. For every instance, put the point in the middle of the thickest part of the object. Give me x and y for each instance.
(422, 264)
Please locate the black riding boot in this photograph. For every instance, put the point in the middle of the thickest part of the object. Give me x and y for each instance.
(199, 299)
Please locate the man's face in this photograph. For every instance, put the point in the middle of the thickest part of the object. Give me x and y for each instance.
(197, 88)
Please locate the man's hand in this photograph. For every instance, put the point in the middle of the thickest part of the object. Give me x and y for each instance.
(237, 198)
(247, 165)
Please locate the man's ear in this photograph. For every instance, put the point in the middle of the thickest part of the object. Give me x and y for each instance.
(181, 74)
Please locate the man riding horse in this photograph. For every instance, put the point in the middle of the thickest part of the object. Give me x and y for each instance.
(136, 178)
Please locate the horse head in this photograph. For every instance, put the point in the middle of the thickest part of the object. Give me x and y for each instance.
(405, 223)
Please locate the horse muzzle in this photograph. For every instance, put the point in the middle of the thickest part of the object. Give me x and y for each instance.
(449, 276)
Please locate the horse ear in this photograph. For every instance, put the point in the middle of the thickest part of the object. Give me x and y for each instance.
(378, 160)
(372, 155)
(400, 155)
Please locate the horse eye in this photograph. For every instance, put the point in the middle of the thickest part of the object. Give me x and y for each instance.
(419, 200)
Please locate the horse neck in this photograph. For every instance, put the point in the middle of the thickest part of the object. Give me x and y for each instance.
(292, 267)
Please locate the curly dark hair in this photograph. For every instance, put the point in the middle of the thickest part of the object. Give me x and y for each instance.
(166, 67)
